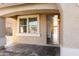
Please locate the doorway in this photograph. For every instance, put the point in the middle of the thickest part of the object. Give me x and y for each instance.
(53, 29)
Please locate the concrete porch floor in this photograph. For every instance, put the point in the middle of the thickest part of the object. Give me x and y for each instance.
(30, 50)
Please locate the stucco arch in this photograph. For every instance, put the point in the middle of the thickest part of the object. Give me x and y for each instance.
(19, 9)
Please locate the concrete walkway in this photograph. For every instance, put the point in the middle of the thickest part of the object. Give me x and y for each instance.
(30, 50)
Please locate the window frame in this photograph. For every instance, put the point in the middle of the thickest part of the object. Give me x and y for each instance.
(28, 34)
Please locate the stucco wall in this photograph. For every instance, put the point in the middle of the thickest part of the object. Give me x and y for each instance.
(70, 34)
(2, 32)
(70, 25)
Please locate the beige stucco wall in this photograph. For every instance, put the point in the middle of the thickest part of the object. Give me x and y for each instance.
(2, 32)
(2, 25)
(70, 21)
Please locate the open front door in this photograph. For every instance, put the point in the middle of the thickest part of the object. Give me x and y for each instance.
(53, 29)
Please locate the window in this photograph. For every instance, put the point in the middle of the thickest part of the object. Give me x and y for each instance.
(28, 25)
(23, 25)
(33, 25)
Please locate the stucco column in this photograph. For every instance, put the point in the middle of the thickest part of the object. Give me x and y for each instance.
(2, 32)
(70, 26)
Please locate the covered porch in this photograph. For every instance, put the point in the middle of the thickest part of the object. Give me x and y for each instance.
(38, 42)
